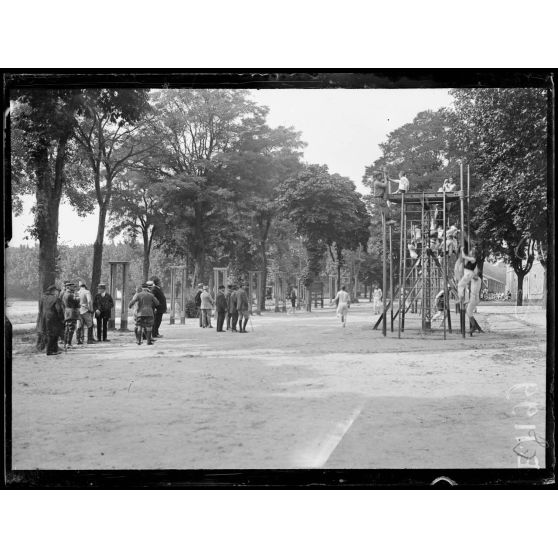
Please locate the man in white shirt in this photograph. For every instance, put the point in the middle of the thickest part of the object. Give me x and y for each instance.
(342, 300)
(85, 314)
(403, 183)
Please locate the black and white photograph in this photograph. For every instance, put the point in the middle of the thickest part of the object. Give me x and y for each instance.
(378, 256)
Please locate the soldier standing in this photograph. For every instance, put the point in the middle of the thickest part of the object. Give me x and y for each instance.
(206, 306)
(197, 302)
(85, 314)
(71, 314)
(221, 307)
(157, 292)
(102, 304)
(146, 303)
(228, 294)
(243, 308)
(233, 310)
(51, 311)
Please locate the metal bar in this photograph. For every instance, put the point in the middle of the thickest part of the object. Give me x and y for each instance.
(123, 305)
(183, 297)
(462, 211)
(112, 290)
(401, 258)
(391, 277)
(445, 277)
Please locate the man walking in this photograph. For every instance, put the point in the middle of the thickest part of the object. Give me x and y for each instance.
(206, 307)
(102, 305)
(220, 307)
(51, 311)
(85, 314)
(342, 300)
(157, 292)
(71, 314)
(146, 303)
(243, 308)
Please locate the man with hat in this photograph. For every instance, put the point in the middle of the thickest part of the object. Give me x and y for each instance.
(85, 314)
(206, 306)
(220, 307)
(102, 305)
(243, 307)
(71, 313)
(228, 294)
(51, 326)
(146, 302)
(158, 293)
(233, 310)
(197, 302)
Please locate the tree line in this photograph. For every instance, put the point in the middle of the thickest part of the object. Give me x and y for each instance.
(197, 176)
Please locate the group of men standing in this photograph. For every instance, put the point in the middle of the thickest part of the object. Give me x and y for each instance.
(231, 306)
(63, 313)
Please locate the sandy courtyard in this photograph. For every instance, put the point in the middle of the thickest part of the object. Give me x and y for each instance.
(295, 392)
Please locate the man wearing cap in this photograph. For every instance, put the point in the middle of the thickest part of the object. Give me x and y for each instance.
(197, 302)
(157, 292)
(71, 313)
(243, 308)
(85, 314)
(233, 310)
(206, 307)
(102, 305)
(220, 307)
(51, 326)
(146, 302)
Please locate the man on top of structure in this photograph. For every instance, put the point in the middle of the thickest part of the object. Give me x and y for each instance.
(403, 183)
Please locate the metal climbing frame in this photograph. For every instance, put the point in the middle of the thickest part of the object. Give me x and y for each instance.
(422, 268)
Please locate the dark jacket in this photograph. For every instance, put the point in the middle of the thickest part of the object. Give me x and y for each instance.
(161, 298)
(146, 303)
(241, 300)
(104, 304)
(232, 303)
(71, 306)
(51, 310)
(197, 298)
(221, 303)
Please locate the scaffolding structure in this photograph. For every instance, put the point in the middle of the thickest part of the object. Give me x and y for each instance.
(423, 267)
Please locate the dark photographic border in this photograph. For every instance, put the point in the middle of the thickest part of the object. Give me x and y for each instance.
(286, 478)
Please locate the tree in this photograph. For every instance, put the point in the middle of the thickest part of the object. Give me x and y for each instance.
(108, 131)
(503, 133)
(193, 127)
(326, 211)
(259, 161)
(424, 148)
(136, 211)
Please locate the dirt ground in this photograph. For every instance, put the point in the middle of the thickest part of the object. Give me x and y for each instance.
(294, 392)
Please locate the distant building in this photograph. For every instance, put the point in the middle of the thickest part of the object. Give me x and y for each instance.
(494, 277)
(533, 283)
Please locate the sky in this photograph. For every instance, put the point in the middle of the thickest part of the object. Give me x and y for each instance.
(343, 129)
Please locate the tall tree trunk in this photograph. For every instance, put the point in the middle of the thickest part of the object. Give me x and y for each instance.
(98, 248)
(263, 254)
(146, 251)
(522, 268)
(520, 277)
(48, 195)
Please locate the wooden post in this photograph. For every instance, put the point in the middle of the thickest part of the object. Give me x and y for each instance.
(124, 301)
(462, 202)
(172, 297)
(384, 275)
(183, 297)
(112, 290)
(401, 260)
(390, 280)
(276, 290)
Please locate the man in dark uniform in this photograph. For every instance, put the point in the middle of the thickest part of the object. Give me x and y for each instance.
(228, 294)
(144, 319)
(243, 307)
(51, 311)
(220, 307)
(71, 314)
(157, 292)
(233, 311)
(197, 302)
(102, 305)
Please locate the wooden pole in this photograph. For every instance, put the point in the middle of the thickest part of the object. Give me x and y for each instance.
(172, 297)
(124, 305)
(401, 260)
(384, 274)
(446, 292)
(390, 280)
(462, 214)
(112, 290)
(183, 297)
